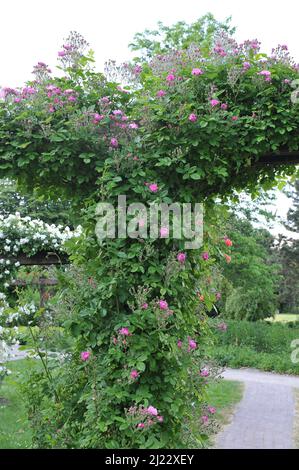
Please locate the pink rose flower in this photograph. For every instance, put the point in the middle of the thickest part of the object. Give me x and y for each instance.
(85, 355)
(124, 331)
(140, 425)
(235, 118)
(114, 142)
(161, 93)
(224, 106)
(170, 77)
(134, 374)
(204, 372)
(192, 344)
(181, 257)
(265, 73)
(228, 242)
(212, 410)
(192, 117)
(153, 187)
(214, 103)
(163, 304)
(164, 232)
(160, 419)
(197, 71)
(133, 125)
(205, 419)
(246, 65)
(151, 410)
(205, 256)
(222, 326)
(180, 344)
(144, 306)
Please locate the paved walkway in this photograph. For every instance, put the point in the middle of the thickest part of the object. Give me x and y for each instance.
(264, 418)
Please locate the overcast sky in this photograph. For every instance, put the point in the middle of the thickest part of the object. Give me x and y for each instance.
(33, 30)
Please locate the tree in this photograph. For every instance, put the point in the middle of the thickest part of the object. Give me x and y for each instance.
(253, 274)
(179, 36)
(50, 211)
(288, 255)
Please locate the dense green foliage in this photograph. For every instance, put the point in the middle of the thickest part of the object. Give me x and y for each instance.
(261, 345)
(49, 211)
(288, 255)
(253, 273)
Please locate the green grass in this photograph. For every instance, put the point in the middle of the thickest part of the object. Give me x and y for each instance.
(14, 427)
(262, 345)
(224, 395)
(284, 318)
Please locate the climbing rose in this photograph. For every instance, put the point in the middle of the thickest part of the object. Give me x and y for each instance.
(163, 304)
(97, 117)
(161, 93)
(164, 232)
(265, 73)
(134, 374)
(228, 242)
(204, 373)
(227, 258)
(214, 103)
(205, 256)
(192, 344)
(153, 187)
(114, 142)
(85, 355)
(152, 411)
(170, 77)
(181, 257)
(197, 71)
(192, 117)
(124, 331)
(222, 326)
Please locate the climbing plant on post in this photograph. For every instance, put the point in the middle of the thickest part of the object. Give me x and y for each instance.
(184, 126)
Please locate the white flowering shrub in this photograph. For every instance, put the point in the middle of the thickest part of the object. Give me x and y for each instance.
(24, 235)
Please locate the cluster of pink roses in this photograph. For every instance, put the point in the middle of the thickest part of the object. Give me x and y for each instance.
(192, 345)
(145, 416)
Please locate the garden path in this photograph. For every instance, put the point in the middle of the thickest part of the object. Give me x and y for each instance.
(264, 418)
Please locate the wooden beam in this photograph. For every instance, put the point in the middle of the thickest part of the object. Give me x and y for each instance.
(279, 158)
(41, 259)
(37, 282)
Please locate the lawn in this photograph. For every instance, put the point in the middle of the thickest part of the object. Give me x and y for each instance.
(14, 430)
(284, 317)
(14, 427)
(223, 396)
(262, 345)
